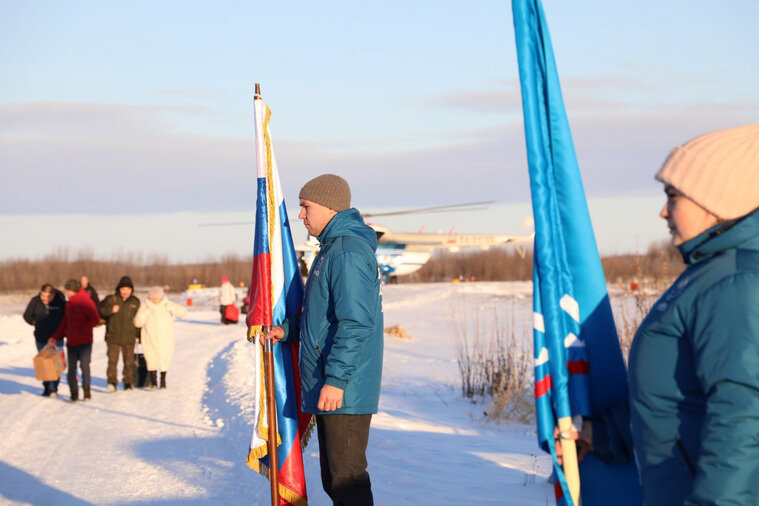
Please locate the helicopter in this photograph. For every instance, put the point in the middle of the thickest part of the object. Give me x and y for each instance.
(403, 253)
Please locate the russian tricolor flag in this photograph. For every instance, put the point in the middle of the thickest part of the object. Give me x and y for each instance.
(276, 293)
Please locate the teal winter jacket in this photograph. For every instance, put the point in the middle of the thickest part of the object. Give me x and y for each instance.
(694, 375)
(340, 327)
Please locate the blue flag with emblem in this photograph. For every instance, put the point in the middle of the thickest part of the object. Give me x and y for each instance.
(579, 370)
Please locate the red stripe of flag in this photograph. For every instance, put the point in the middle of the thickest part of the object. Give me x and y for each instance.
(260, 313)
(557, 491)
(578, 367)
(543, 386)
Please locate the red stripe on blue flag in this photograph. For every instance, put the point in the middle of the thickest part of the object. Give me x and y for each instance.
(578, 367)
(543, 386)
(558, 493)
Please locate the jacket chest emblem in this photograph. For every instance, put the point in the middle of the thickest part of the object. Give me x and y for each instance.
(317, 269)
(672, 294)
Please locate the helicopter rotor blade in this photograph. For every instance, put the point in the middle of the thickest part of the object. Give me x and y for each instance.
(450, 208)
(434, 209)
(226, 224)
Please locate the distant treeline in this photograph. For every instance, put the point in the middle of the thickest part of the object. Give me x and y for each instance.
(661, 261)
(57, 267)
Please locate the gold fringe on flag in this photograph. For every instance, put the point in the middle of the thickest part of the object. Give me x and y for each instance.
(262, 428)
(284, 492)
(255, 331)
(306, 436)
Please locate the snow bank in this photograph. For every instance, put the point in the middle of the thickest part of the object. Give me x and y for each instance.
(187, 444)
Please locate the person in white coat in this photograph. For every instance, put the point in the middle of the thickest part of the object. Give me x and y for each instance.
(227, 297)
(156, 319)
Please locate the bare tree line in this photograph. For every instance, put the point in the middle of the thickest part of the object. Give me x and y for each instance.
(57, 267)
(660, 261)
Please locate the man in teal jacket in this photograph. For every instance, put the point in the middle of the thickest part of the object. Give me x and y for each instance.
(341, 335)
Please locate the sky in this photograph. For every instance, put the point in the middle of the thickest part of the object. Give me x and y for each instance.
(121, 108)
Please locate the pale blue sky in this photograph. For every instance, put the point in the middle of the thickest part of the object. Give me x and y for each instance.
(145, 106)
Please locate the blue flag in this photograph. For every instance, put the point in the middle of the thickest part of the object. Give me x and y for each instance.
(579, 368)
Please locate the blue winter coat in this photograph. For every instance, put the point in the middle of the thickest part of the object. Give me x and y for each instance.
(694, 376)
(340, 328)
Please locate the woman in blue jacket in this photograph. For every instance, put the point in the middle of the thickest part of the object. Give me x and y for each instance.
(694, 361)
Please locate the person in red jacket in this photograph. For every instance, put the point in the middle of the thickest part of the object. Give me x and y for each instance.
(79, 318)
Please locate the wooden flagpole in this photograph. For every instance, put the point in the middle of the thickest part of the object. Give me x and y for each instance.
(271, 411)
(569, 457)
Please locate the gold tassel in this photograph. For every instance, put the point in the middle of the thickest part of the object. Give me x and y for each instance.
(291, 497)
(306, 437)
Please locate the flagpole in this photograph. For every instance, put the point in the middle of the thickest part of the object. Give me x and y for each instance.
(271, 411)
(569, 458)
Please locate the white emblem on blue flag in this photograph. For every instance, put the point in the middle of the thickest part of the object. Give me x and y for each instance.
(538, 323)
(542, 357)
(571, 341)
(570, 306)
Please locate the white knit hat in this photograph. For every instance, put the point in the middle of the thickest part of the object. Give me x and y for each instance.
(718, 171)
(156, 293)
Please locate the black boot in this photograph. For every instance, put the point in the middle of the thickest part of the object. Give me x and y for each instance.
(87, 393)
(47, 391)
(74, 394)
(163, 379)
(153, 379)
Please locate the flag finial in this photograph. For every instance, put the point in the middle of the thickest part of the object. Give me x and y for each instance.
(258, 92)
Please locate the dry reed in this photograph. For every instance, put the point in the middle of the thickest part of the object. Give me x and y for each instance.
(494, 366)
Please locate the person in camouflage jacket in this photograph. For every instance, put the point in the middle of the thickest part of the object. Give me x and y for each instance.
(119, 310)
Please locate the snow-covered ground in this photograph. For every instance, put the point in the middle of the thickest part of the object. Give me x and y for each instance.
(187, 444)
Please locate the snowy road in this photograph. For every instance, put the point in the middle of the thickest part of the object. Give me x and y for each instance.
(187, 444)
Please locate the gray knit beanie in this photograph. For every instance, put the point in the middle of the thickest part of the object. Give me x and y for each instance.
(329, 191)
(719, 171)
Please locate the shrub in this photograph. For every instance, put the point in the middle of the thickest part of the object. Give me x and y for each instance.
(494, 366)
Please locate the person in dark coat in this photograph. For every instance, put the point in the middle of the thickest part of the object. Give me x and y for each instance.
(45, 312)
(80, 317)
(119, 310)
(87, 287)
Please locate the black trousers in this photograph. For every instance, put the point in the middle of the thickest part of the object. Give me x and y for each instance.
(342, 454)
(83, 355)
